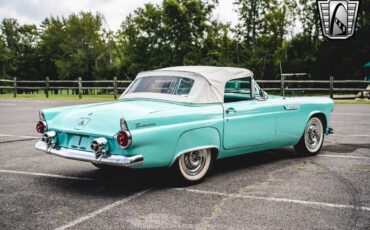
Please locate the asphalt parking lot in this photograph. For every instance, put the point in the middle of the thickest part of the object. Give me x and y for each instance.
(266, 190)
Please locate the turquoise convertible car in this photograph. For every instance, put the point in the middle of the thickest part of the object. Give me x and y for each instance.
(186, 118)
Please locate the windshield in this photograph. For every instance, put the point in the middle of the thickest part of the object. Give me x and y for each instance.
(242, 86)
(162, 84)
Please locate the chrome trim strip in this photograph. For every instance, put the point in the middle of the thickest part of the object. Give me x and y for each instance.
(114, 160)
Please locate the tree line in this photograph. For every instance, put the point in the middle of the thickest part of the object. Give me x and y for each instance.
(271, 36)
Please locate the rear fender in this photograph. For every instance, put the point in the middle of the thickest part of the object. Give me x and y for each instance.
(202, 138)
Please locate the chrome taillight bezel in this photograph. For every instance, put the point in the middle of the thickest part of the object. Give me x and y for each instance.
(129, 139)
(124, 128)
(44, 124)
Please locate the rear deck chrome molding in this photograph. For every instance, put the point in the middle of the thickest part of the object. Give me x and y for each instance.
(114, 160)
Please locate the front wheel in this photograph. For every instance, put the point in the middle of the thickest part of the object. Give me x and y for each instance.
(193, 166)
(312, 138)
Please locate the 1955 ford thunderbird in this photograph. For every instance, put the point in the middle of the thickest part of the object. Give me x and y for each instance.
(186, 118)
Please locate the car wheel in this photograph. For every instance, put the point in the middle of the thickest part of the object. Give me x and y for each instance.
(312, 138)
(193, 166)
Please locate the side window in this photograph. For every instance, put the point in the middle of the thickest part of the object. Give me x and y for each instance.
(184, 86)
(238, 90)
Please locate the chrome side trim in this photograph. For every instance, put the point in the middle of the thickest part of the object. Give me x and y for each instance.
(114, 160)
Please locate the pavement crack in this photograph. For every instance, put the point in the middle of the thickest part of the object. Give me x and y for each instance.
(352, 192)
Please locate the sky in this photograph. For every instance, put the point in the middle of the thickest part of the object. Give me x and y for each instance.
(115, 11)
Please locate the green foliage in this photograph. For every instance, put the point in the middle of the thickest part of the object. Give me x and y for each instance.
(174, 33)
(4, 58)
(19, 45)
(270, 34)
(75, 47)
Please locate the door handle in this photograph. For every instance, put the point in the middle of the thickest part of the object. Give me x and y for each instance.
(230, 110)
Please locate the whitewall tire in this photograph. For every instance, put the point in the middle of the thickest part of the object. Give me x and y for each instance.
(312, 138)
(193, 166)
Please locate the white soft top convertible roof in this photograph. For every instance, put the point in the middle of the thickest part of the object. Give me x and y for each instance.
(209, 83)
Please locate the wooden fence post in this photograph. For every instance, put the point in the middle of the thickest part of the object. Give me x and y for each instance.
(80, 88)
(331, 87)
(47, 87)
(14, 87)
(282, 90)
(115, 87)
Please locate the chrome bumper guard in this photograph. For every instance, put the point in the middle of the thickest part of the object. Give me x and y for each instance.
(330, 131)
(114, 160)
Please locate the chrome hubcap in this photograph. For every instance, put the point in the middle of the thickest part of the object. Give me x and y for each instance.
(193, 162)
(313, 135)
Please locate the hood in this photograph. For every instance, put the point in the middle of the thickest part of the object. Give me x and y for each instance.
(103, 118)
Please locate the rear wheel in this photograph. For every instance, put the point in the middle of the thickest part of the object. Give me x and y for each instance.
(193, 166)
(312, 138)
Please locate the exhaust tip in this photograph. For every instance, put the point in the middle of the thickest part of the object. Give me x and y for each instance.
(48, 137)
(99, 146)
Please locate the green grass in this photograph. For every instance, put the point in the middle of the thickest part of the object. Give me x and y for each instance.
(62, 97)
(360, 102)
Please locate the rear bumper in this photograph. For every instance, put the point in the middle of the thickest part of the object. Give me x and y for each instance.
(114, 160)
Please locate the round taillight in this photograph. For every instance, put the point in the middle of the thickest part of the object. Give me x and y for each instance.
(124, 138)
(41, 127)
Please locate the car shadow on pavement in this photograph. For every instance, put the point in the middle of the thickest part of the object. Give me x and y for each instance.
(344, 148)
(254, 159)
(119, 181)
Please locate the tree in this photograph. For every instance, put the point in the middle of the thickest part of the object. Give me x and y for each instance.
(76, 46)
(20, 43)
(261, 33)
(183, 32)
(174, 33)
(4, 58)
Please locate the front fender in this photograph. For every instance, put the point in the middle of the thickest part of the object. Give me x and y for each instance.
(197, 139)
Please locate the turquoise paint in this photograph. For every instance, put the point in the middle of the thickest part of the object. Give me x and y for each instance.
(250, 124)
(162, 130)
(197, 139)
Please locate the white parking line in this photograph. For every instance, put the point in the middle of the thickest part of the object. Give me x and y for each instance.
(99, 211)
(45, 175)
(9, 135)
(350, 122)
(7, 104)
(283, 200)
(352, 114)
(341, 156)
(349, 135)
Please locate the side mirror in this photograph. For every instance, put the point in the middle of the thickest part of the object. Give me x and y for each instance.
(265, 95)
